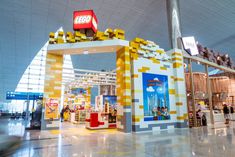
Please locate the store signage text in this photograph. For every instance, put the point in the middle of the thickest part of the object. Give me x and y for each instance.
(82, 19)
(190, 45)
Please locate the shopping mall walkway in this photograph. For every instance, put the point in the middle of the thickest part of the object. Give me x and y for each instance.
(75, 140)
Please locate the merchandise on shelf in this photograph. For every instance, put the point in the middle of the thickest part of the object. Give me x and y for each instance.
(105, 117)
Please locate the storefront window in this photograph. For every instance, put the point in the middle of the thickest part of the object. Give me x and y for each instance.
(197, 92)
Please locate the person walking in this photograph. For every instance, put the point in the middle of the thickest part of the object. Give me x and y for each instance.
(231, 112)
(62, 114)
(226, 114)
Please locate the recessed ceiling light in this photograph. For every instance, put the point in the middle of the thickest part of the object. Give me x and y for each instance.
(85, 52)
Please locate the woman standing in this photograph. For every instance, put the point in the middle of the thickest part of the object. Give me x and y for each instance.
(226, 114)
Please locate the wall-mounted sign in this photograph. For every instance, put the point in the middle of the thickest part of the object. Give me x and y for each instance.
(23, 96)
(85, 19)
(190, 45)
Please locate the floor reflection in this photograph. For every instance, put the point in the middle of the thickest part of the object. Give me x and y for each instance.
(75, 140)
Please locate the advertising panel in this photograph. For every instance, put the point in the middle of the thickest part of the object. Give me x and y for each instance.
(78, 91)
(156, 97)
(52, 109)
(99, 103)
(110, 107)
(110, 99)
(109, 103)
(190, 45)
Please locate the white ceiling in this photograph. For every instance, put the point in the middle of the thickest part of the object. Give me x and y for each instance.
(25, 25)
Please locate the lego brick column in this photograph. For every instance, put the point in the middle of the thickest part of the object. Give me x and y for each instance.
(180, 91)
(123, 89)
(52, 91)
(136, 85)
(148, 58)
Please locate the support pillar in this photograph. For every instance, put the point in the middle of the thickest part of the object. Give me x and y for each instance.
(124, 116)
(180, 89)
(209, 94)
(173, 16)
(192, 92)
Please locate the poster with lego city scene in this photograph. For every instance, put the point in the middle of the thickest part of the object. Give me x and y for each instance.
(156, 97)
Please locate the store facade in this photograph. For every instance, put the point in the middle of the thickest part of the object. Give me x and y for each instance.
(132, 70)
(155, 89)
(150, 85)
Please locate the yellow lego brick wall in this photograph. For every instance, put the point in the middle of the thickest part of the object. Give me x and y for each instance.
(123, 89)
(52, 84)
(77, 36)
(180, 95)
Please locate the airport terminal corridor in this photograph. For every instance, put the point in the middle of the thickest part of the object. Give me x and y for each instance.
(117, 78)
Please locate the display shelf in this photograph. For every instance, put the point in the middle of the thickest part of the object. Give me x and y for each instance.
(79, 116)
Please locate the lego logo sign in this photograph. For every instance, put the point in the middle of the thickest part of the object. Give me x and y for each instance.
(82, 19)
(85, 19)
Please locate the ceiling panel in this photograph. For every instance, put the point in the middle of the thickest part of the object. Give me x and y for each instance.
(212, 22)
(26, 24)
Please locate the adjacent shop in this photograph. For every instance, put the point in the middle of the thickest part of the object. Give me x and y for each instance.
(209, 78)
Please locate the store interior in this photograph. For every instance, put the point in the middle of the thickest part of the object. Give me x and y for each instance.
(89, 99)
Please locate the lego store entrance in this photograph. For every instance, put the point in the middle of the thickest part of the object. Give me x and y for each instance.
(106, 111)
(88, 98)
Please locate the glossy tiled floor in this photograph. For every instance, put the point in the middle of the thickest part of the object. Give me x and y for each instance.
(75, 140)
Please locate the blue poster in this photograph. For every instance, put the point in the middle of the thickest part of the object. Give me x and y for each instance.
(156, 97)
(110, 99)
(110, 103)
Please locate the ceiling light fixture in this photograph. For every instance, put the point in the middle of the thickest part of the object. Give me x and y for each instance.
(85, 52)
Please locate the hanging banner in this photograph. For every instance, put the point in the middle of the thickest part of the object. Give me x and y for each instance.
(52, 109)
